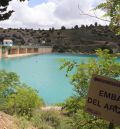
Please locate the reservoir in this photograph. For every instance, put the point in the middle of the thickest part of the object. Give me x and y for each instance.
(42, 73)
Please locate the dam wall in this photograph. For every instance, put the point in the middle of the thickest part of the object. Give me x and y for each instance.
(19, 51)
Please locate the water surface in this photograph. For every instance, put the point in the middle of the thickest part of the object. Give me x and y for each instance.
(42, 73)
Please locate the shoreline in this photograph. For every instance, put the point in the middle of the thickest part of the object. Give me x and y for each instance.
(73, 53)
(21, 55)
(68, 53)
(32, 54)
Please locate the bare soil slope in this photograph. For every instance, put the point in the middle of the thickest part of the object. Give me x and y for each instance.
(10, 122)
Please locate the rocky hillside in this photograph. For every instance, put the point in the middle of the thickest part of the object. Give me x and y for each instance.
(10, 122)
(78, 39)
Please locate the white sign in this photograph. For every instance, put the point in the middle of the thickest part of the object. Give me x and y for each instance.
(103, 98)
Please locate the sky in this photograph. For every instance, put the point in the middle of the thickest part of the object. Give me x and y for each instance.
(45, 14)
(33, 3)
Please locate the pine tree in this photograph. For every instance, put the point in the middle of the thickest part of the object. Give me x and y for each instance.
(4, 14)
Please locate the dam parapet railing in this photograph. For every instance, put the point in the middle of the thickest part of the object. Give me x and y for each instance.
(17, 51)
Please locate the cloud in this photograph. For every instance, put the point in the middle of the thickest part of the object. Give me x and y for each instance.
(97, 2)
(68, 10)
(53, 13)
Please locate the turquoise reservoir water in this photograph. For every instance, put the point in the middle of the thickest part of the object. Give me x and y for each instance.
(42, 73)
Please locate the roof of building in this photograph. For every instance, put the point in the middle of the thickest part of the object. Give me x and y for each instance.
(7, 40)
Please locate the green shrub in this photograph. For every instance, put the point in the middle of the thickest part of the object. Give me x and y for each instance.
(82, 120)
(17, 98)
(50, 120)
(106, 65)
(49, 117)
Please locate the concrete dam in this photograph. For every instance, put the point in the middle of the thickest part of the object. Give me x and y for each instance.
(19, 51)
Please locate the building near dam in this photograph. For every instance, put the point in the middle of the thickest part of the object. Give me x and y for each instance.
(7, 42)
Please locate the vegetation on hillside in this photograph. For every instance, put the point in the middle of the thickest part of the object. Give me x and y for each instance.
(78, 39)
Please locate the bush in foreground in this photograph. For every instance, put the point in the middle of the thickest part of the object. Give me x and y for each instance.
(17, 98)
(104, 64)
(50, 120)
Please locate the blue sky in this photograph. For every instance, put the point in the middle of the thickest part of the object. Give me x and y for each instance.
(33, 3)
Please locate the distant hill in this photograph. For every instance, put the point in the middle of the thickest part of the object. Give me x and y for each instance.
(77, 39)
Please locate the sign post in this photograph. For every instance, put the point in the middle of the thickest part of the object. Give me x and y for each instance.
(111, 126)
(103, 99)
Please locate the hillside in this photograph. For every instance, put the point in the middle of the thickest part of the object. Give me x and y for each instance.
(7, 122)
(77, 39)
(10, 122)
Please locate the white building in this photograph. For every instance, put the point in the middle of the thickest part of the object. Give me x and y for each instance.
(43, 42)
(8, 42)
